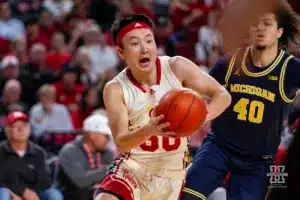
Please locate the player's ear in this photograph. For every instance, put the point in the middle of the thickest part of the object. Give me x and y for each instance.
(120, 52)
(279, 32)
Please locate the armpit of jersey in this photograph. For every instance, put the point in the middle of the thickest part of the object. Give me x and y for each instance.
(219, 70)
(292, 77)
(293, 72)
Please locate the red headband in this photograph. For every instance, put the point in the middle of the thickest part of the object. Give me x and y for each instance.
(130, 27)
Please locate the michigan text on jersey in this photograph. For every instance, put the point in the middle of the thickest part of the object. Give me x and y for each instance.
(253, 90)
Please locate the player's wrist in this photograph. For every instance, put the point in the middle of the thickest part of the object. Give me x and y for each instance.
(147, 130)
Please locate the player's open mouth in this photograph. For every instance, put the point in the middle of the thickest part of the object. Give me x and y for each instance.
(144, 62)
(260, 35)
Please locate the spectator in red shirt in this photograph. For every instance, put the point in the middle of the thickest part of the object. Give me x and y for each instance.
(58, 54)
(34, 35)
(144, 7)
(4, 44)
(188, 13)
(68, 91)
(47, 26)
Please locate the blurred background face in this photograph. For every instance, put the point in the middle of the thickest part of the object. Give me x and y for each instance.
(48, 98)
(12, 93)
(81, 10)
(18, 131)
(5, 12)
(46, 18)
(58, 41)
(20, 45)
(69, 79)
(125, 8)
(92, 98)
(38, 54)
(93, 37)
(266, 32)
(32, 29)
(10, 72)
(99, 141)
(83, 60)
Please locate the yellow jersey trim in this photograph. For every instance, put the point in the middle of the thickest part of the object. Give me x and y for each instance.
(262, 73)
(281, 81)
(194, 193)
(230, 67)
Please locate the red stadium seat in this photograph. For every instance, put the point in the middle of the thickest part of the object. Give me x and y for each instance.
(53, 142)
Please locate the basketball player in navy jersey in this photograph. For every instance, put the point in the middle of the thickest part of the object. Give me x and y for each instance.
(262, 80)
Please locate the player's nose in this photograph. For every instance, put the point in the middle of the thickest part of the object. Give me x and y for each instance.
(144, 48)
(260, 26)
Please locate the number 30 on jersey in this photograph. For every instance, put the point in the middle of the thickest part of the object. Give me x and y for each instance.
(153, 144)
(252, 111)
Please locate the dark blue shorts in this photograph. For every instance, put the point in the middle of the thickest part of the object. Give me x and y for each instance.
(248, 176)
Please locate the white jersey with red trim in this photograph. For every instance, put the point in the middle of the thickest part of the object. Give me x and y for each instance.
(157, 152)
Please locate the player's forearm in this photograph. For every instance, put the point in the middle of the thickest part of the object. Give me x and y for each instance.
(219, 102)
(132, 139)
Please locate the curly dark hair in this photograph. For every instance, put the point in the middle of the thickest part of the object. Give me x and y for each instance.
(289, 20)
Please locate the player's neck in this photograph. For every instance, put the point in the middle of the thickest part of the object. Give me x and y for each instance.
(146, 79)
(263, 58)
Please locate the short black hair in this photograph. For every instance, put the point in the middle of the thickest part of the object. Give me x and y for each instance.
(32, 20)
(121, 23)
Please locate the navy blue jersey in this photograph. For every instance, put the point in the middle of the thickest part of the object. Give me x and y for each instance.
(252, 124)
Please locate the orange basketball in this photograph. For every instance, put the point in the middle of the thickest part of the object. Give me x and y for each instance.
(184, 109)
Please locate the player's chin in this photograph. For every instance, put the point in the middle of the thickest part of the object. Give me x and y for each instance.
(145, 66)
(260, 46)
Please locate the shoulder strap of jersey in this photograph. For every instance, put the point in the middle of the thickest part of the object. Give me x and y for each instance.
(167, 73)
(231, 65)
(125, 85)
(283, 95)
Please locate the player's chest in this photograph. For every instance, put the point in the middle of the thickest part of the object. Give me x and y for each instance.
(266, 86)
(142, 103)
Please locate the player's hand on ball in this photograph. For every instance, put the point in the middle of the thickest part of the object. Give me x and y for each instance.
(156, 127)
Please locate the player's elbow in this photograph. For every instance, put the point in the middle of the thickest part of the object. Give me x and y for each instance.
(227, 98)
(122, 145)
(122, 148)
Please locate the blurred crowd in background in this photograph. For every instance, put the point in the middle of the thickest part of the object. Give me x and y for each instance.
(55, 58)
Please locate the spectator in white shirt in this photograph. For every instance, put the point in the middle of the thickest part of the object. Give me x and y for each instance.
(208, 38)
(104, 59)
(48, 116)
(10, 28)
(59, 8)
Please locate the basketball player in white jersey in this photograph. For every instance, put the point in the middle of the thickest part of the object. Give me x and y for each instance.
(152, 166)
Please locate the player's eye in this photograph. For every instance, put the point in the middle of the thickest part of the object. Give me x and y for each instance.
(149, 41)
(267, 23)
(134, 43)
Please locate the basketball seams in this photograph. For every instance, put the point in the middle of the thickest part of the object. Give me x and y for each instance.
(186, 113)
(184, 109)
(170, 104)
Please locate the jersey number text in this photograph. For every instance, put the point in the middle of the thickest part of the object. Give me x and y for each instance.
(254, 113)
(153, 144)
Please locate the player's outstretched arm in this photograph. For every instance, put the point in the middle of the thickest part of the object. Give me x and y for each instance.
(118, 120)
(192, 77)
